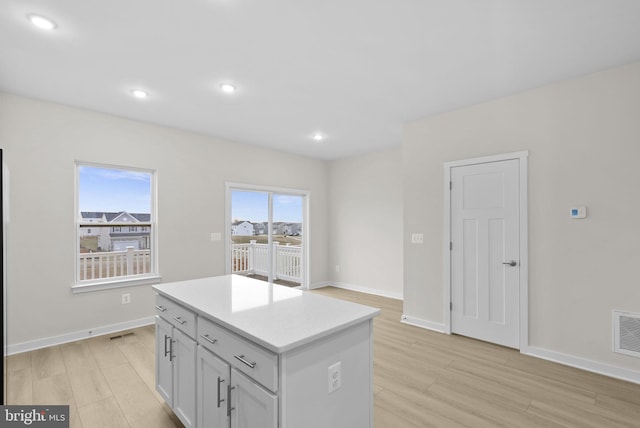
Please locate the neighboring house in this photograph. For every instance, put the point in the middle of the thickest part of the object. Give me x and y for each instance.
(115, 238)
(260, 228)
(245, 228)
(295, 229)
(242, 228)
(281, 228)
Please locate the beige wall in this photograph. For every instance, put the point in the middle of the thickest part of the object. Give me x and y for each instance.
(41, 141)
(583, 137)
(365, 217)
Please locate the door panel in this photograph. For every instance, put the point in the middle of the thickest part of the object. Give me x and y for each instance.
(213, 378)
(496, 281)
(485, 236)
(470, 266)
(164, 369)
(253, 406)
(184, 386)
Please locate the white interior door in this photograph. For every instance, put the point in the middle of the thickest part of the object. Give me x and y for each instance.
(485, 259)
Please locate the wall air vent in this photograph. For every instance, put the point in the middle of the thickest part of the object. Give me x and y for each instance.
(626, 333)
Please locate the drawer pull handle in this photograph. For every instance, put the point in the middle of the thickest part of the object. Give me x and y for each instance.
(171, 356)
(240, 358)
(229, 408)
(161, 308)
(180, 320)
(208, 339)
(220, 400)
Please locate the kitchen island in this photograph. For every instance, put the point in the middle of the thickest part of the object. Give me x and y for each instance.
(235, 351)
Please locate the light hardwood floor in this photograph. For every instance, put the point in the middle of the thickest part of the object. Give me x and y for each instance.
(421, 379)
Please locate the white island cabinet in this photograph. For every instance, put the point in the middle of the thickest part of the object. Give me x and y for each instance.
(263, 355)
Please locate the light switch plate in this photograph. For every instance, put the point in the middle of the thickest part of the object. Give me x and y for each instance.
(417, 238)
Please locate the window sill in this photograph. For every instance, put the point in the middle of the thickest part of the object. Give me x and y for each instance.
(99, 285)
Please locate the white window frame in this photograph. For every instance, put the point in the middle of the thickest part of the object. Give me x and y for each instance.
(306, 221)
(153, 277)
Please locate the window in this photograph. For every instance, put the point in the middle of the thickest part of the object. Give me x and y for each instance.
(115, 209)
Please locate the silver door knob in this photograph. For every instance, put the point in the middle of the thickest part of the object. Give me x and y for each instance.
(511, 263)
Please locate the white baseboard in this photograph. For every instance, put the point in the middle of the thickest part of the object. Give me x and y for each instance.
(545, 354)
(367, 290)
(319, 285)
(584, 364)
(79, 335)
(429, 325)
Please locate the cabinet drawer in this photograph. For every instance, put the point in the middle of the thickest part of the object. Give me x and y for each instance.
(179, 316)
(256, 362)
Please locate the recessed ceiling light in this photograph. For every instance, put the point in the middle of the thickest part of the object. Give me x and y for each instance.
(318, 137)
(139, 93)
(228, 88)
(41, 22)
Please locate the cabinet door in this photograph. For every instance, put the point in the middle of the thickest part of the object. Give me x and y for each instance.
(184, 377)
(164, 372)
(212, 381)
(252, 405)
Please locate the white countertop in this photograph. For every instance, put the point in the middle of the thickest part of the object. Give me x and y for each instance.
(276, 317)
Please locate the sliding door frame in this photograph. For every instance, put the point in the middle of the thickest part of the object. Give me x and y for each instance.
(305, 194)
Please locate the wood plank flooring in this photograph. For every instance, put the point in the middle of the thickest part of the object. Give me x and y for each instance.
(106, 382)
(421, 379)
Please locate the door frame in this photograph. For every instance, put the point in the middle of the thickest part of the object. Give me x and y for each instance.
(523, 293)
(306, 194)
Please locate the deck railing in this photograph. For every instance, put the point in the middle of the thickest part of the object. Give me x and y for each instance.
(253, 259)
(102, 265)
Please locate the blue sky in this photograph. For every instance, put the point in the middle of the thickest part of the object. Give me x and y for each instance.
(254, 207)
(114, 190)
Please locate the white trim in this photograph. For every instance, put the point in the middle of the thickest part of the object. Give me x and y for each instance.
(109, 283)
(487, 159)
(306, 215)
(119, 283)
(79, 335)
(522, 156)
(320, 284)
(429, 325)
(584, 364)
(367, 290)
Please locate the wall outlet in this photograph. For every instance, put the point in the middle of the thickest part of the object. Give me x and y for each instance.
(337, 268)
(335, 377)
(126, 298)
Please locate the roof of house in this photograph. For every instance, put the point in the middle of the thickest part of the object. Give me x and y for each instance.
(110, 216)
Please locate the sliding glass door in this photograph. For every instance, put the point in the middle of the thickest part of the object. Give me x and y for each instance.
(267, 234)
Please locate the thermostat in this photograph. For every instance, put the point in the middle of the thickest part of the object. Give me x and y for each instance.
(578, 212)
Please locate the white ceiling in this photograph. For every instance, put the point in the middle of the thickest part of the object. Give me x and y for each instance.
(354, 70)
